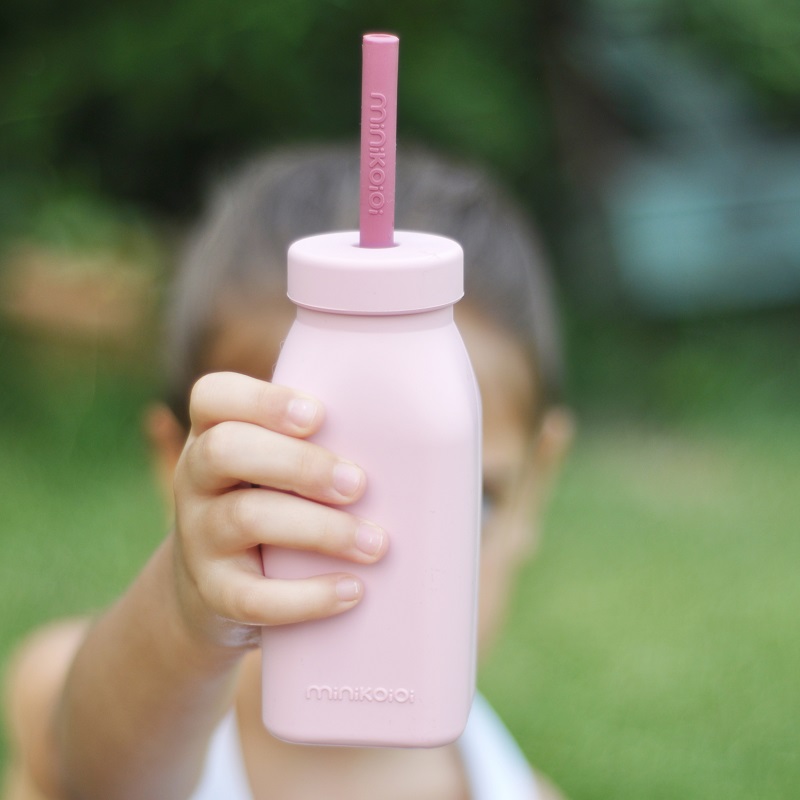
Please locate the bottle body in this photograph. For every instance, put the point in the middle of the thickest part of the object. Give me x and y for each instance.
(398, 669)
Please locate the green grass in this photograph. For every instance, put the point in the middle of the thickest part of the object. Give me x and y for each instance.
(78, 510)
(652, 650)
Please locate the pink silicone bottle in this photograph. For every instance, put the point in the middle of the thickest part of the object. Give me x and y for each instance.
(375, 340)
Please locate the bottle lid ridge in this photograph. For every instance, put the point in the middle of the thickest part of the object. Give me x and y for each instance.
(332, 273)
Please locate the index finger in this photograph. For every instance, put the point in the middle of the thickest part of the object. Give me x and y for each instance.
(229, 396)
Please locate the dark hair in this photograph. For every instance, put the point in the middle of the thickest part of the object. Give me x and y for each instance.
(239, 248)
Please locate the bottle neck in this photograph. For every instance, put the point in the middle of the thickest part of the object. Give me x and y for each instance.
(413, 321)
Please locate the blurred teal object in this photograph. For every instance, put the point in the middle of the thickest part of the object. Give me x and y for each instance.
(695, 233)
(703, 210)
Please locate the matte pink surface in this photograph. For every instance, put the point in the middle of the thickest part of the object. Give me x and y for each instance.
(378, 139)
(401, 400)
(331, 273)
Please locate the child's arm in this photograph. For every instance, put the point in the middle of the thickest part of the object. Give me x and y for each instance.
(157, 671)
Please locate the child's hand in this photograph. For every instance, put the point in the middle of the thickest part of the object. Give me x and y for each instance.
(247, 433)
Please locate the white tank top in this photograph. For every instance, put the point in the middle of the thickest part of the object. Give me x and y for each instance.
(495, 766)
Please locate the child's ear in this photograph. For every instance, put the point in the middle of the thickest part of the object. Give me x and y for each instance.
(166, 437)
(553, 445)
(544, 465)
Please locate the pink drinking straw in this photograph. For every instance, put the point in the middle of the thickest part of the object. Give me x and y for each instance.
(378, 139)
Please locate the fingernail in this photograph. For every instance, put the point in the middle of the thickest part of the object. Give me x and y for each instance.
(370, 539)
(347, 478)
(348, 589)
(302, 412)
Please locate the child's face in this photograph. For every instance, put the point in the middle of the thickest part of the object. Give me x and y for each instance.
(510, 499)
(249, 342)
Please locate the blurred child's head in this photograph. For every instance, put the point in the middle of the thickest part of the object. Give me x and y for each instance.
(228, 311)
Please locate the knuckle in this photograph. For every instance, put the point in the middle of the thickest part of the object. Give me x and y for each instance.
(334, 531)
(203, 390)
(183, 523)
(247, 605)
(266, 400)
(243, 514)
(311, 467)
(215, 447)
(179, 485)
(207, 591)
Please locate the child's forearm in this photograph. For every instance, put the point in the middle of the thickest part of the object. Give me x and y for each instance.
(142, 697)
(157, 670)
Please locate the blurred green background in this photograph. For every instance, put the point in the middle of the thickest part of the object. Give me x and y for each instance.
(653, 647)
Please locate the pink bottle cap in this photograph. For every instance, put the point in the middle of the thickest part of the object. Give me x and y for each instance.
(331, 272)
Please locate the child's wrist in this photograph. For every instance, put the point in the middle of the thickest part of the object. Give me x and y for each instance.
(208, 642)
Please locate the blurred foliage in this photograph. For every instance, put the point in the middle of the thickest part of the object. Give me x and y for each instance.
(137, 102)
(138, 98)
(716, 371)
(758, 39)
(79, 222)
(113, 112)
